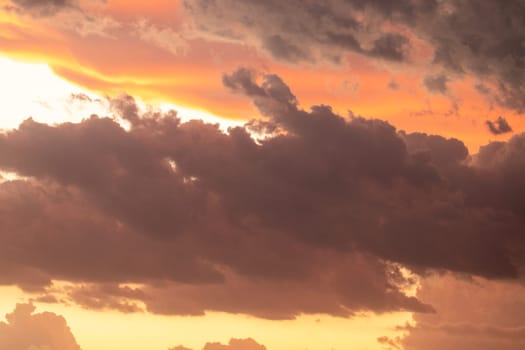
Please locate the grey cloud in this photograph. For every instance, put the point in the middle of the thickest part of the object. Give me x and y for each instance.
(284, 50)
(481, 39)
(436, 83)
(499, 126)
(469, 38)
(43, 7)
(295, 31)
(391, 46)
(80, 97)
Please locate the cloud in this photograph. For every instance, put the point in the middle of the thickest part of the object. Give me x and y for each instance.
(389, 342)
(163, 37)
(72, 16)
(465, 38)
(234, 344)
(317, 216)
(436, 83)
(295, 31)
(43, 331)
(460, 322)
(499, 126)
(284, 50)
(324, 291)
(390, 46)
(484, 41)
(393, 85)
(42, 7)
(107, 297)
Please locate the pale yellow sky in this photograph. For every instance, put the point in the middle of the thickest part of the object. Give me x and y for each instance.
(110, 330)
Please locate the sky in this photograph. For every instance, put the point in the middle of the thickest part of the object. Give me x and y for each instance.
(262, 175)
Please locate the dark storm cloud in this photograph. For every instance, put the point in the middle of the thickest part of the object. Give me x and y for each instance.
(499, 126)
(208, 220)
(468, 37)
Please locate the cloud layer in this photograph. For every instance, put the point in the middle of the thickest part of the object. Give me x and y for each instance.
(302, 212)
(466, 38)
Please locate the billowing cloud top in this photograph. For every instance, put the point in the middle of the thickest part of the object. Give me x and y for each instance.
(26, 330)
(302, 212)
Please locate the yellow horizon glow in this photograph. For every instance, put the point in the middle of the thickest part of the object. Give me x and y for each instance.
(111, 330)
(33, 90)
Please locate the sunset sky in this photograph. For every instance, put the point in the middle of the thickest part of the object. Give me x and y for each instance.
(262, 175)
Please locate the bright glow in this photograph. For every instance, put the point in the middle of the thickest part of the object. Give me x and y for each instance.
(111, 330)
(186, 114)
(33, 90)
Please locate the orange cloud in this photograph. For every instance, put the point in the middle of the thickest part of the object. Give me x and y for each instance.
(234, 344)
(152, 51)
(42, 331)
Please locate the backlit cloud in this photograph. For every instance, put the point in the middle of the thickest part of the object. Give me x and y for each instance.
(204, 220)
(26, 330)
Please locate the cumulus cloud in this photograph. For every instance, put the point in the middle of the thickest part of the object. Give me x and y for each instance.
(319, 216)
(25, 330)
